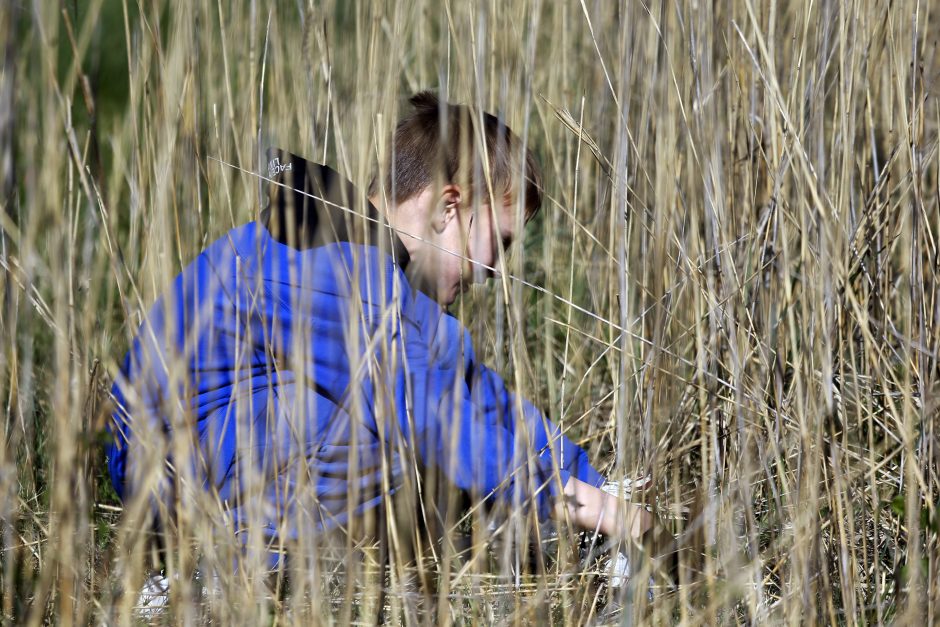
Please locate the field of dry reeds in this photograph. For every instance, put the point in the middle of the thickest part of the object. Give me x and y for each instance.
(732, 287)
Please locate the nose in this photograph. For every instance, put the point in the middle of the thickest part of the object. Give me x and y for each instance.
(481, 273)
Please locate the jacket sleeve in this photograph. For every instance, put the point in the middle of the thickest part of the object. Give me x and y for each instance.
(545, 437)
(465, 423)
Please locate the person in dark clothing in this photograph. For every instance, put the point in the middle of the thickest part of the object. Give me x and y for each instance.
(304, 365)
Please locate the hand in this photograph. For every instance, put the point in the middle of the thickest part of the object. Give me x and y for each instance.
(593, 509)
(638, 521)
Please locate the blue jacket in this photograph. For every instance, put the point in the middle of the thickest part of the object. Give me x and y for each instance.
(310, 374)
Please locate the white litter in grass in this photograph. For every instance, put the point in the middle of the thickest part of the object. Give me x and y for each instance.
(618, 572)
(153, 600)
(154, 597)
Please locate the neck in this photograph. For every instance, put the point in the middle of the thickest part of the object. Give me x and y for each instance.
(409, 220)
(405, 218)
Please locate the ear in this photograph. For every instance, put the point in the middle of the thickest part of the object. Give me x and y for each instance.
(450, 202)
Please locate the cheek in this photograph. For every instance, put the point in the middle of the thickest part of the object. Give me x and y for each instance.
(449, 266)
(481, 244)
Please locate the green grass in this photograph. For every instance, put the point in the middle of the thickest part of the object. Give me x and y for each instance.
(743, 195)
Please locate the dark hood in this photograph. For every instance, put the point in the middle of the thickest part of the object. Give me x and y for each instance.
(312, 205)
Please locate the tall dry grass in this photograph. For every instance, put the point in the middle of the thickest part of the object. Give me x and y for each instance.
(738, 261)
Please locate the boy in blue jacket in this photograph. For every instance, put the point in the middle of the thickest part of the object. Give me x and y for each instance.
(303, 367)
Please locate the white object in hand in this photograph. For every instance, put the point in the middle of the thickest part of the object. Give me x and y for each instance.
(624, 488)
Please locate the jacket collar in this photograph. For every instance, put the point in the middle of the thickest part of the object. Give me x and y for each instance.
(311, 205)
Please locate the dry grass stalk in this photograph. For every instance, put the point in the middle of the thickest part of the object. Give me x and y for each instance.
(739, 287)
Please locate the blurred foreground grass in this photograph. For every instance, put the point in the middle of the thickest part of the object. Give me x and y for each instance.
(744, 194)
